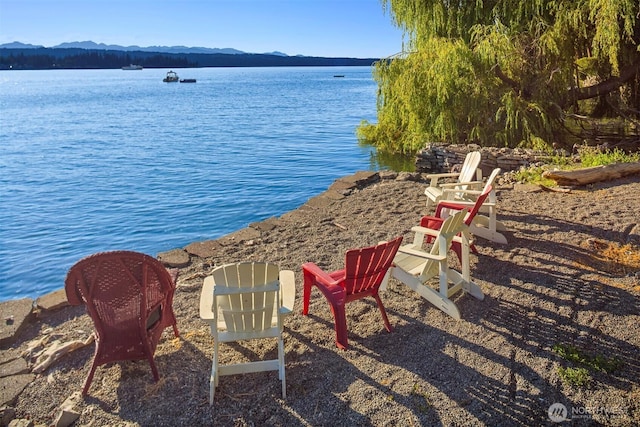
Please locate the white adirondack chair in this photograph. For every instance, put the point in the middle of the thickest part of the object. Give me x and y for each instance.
(415, 266)
(485, 224)
(464, 179)
(246, 301)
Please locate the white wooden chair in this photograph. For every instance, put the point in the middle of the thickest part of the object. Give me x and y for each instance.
(246, 301)
(415, 266)
(464, 179)
(485, 224)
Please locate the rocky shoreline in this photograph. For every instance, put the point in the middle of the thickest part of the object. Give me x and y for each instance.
(547, 287)
(16, 315)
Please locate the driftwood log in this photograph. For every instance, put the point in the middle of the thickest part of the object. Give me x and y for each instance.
(593, 174)
(58, 349)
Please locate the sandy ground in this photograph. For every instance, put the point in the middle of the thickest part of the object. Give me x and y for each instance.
(552, 285)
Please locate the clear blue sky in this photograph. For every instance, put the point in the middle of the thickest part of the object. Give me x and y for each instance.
(332, 28)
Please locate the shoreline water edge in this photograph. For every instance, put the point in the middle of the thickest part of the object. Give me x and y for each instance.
(547, 288)
(182, 257)
(18, 315)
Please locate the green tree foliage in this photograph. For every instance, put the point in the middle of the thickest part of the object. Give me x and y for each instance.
(504, 72)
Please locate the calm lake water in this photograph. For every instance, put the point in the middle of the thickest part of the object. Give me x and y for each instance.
(95, 160)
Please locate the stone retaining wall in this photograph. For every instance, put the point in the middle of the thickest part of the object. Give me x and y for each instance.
(440, 158)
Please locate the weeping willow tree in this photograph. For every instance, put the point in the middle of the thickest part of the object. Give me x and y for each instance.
(505, 72)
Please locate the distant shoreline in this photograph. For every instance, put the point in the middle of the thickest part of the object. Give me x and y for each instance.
(42, 58)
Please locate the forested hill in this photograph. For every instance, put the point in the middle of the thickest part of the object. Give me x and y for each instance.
(76, 58)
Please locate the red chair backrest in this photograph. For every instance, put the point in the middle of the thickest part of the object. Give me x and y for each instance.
(479, 201)
(446, 204)
(366, 267)
(121, 290)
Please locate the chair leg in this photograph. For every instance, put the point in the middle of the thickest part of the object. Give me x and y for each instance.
(213, 379)
(456, 247)
(87, 382)
(149, 352)
(212, 389)
(171, 320)
(282, 367)
(340, 317)
(387, 325)
(308, 282)
(154, 369)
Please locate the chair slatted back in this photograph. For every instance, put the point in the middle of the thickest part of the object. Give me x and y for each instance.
(452, 226)
(246, 297)
(366, 267)
(469, 167)
(468, 172)
(490, 180)
(479, 202)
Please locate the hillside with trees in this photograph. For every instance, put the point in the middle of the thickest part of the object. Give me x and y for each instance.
(43, 58)
(513, 73)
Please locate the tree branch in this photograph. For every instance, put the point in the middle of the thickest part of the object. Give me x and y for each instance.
(602, 88)
(506, 79)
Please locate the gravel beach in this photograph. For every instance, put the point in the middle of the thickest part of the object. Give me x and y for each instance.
(567, 279)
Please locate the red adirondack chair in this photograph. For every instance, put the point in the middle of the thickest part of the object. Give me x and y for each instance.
(435, 222)
(129, 297)
(364, 271)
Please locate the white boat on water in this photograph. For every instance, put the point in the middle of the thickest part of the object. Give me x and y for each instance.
(172, 76)
(132, 67)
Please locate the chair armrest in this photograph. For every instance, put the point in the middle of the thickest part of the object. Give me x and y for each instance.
(470, 204)
(425, 230)
(451, 205)
(443, 175)
(206, 299)
(288, 290)
(323, 278)
(449, 185)
(434, 177)
(435, 221)
(449, 193)
(471, 191)
(421, 254)
(421, 234)
(461, 204)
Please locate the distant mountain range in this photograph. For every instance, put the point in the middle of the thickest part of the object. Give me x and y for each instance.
(89, 45)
